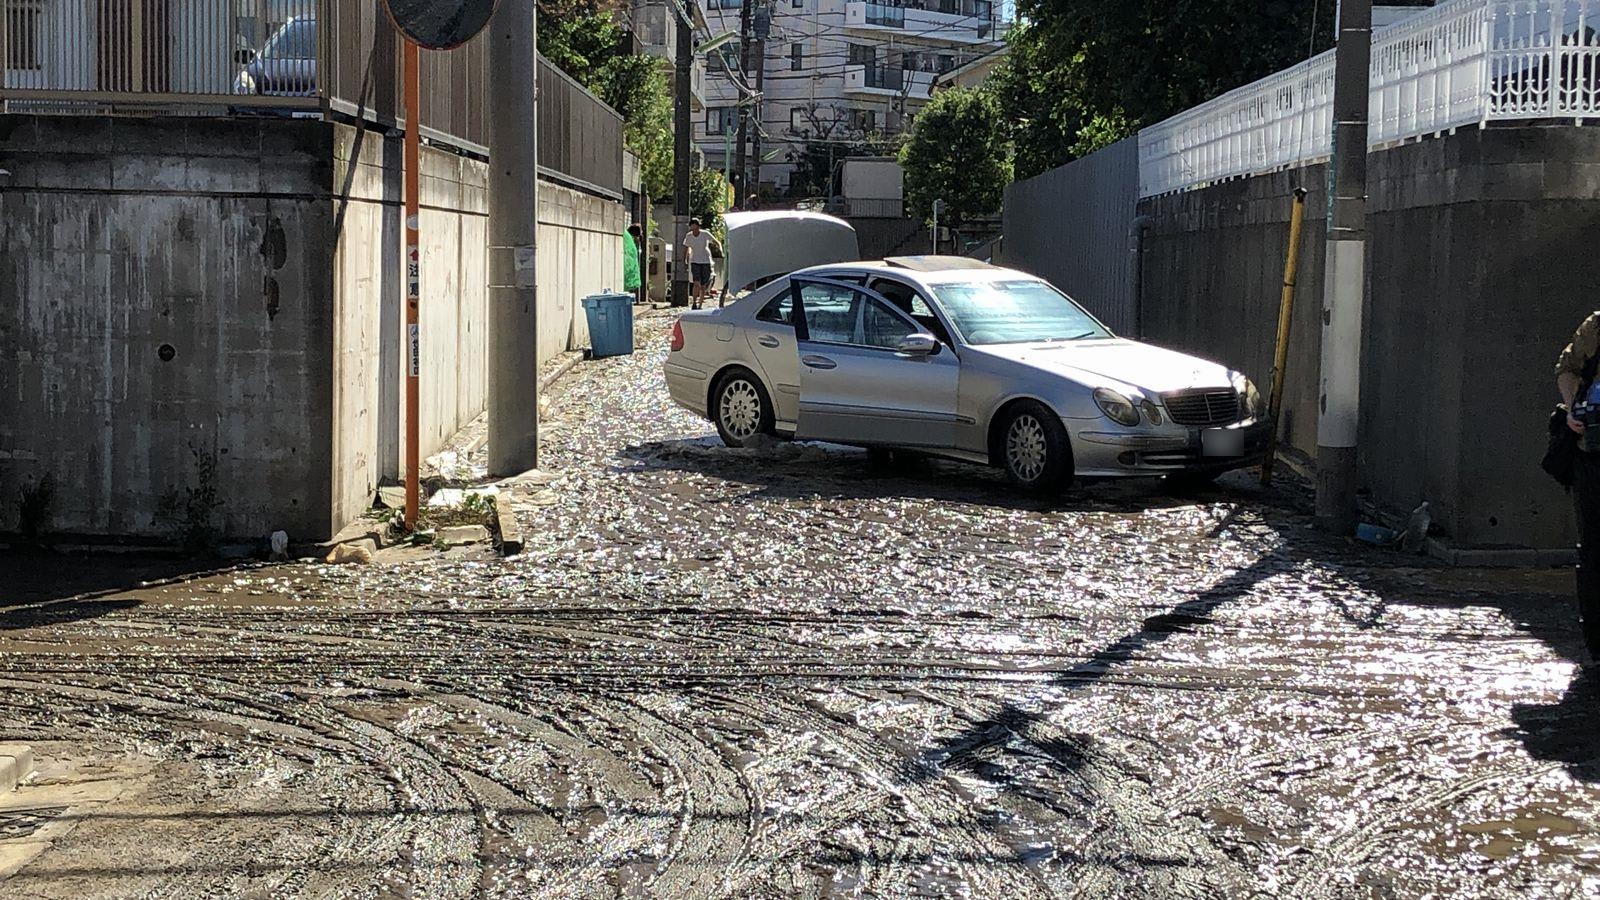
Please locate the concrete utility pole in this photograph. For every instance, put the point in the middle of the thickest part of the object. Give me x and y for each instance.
(513, 230)
(763, 27)
(683, 59)
(1344, 275)
(742, 163)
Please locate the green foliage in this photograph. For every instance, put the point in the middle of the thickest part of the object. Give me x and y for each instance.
(1082, 74)
(957, 152)
(578, 36)
(636, 86)
(708, 197)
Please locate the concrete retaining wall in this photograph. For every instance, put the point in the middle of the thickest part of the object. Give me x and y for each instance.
(166, 325)
(1481, 265)
(206, 317)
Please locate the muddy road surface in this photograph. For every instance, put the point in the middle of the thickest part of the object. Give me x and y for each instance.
(787, 674)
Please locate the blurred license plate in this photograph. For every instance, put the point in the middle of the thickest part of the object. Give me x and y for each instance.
(1222, 442)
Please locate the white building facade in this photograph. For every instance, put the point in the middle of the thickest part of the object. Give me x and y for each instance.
(836, 72)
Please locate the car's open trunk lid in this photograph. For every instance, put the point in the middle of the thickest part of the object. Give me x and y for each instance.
(768, 244)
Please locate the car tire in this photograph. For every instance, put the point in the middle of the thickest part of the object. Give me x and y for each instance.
(740, 407)
(1034, 449)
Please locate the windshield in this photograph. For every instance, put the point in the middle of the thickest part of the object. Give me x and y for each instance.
(1015, 312)
(295, 40)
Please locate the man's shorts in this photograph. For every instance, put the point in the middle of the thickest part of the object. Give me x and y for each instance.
(701, 273)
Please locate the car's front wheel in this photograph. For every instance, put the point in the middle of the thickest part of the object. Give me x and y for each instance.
(1034, 449)
(740, 408)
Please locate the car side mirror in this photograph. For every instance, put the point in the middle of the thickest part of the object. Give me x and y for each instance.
(244, 56)
(918, 345)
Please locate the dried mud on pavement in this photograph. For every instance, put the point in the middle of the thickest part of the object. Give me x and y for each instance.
(783, 674)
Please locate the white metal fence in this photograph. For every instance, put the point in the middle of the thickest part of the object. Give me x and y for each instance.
(107, 52)
(1463, 62)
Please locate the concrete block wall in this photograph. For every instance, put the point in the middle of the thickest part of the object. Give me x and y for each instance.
(1481, 265)
(165, 319)
(201, 319)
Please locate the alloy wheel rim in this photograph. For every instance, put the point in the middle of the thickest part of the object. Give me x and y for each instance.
(740, 409)
(1025, 447)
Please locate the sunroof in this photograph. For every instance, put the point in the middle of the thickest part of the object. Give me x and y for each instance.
(936, 263)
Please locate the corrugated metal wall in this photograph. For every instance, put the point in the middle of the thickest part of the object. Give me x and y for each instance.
(1071, 225)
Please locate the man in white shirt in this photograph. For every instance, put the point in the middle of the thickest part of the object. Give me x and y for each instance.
(697, 249)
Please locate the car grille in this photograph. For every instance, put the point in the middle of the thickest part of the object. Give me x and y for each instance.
(1204, 407)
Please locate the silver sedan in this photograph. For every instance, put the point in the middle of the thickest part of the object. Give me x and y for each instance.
(960, 359)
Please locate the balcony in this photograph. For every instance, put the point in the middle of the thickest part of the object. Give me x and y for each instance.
(888, 81)
(944, 21)
(655, 27)
(311, 58)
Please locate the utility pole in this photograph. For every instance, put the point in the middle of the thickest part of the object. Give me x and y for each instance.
(412, 68)
(513, 228)
(1344, 275)
(742, 162)
(763, 27)
(683, 59)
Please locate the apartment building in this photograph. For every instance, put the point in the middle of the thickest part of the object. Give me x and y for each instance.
(835, 71)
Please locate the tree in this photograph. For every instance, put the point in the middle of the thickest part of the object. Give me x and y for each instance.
(708, 197)
(579, 36)
(957, 152)
(824, 142)
(1144, 60)
(636, 87)
(1082, 74)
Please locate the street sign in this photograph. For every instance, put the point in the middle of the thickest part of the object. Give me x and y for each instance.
(440, 24)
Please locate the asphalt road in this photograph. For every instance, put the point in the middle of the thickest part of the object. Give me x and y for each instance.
(776, 674)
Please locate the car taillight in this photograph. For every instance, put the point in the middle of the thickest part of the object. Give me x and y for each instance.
(677, 336)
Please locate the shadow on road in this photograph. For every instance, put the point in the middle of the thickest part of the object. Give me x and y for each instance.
(1565, 731)
(40, 587)
(808, 470)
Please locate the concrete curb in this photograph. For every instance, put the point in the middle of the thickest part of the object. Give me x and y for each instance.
(16, 763)
(510, 531)
(561, 369)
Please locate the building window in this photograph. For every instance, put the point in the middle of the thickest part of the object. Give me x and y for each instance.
(721, 118)
(22, 38)
(725, 4)
(799, 122)
(797, 57)
(862, 55)
(946, 63)
(864, 120)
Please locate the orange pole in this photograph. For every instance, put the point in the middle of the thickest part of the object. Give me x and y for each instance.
(413, 158)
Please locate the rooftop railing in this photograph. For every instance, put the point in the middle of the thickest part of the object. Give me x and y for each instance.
(1464, 62)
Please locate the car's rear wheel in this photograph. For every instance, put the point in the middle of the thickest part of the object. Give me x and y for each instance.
(741, 408)
(1034, 449)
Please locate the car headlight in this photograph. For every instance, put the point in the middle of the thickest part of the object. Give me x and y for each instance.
(1116, 407)
(1255, 406)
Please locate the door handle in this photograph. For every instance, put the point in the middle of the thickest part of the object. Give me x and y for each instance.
(767, 340)
(819, 362)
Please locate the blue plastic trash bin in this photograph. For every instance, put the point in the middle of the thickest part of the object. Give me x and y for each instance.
(610, 324)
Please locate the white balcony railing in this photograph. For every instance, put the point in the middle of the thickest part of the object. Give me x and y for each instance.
(888, 80)
(957, 21)
(1463, 62)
